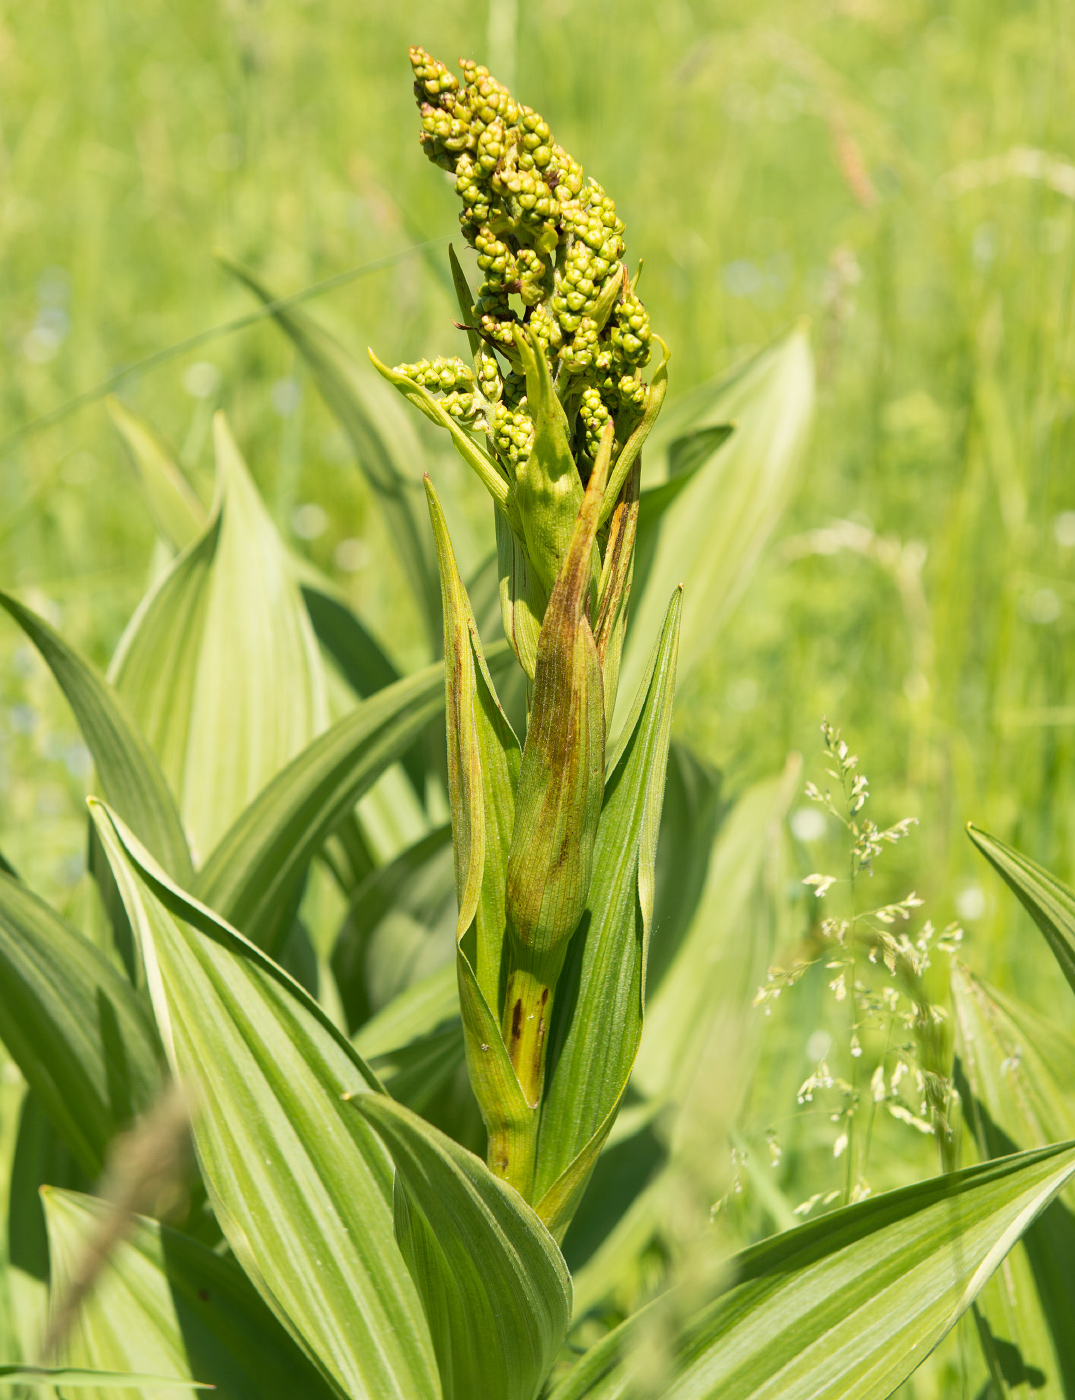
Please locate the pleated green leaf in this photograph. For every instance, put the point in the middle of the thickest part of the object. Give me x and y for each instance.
(400, 927)
(127, 769)
(177, 513)
(494, 1285)
(1016, 1077)
(712, 534)
(219, 665)
(1048, 901)
(73, 1025)
(300, 1186)
(847, 1306)
(593, 1049)
(715, 971)
(256, 870)
(166, 1305)
(384, 443)
(74, 1378)
(483, 774)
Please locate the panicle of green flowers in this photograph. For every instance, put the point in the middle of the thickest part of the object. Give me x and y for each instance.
(550, 248)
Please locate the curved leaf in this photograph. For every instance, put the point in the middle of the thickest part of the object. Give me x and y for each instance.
(592, 1053)
(166, 1305)
(73, 1025)
(1016, 1077)
(219, 665)
(73, 1378)
(256, 870)
(494, 1285)
(384, 444)
(711, 536)
(845, 1307)
(127, 769)
(1048, 901)
(177, 513)
(299, 1184)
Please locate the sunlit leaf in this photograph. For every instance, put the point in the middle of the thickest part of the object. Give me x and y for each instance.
(72, 1378)
(177, 513)
(1016, 1077)
(255, 872)
(165, 1305)
(219, 665)
(711, 536)
(384, 444)
(847, 1306)
(494, 1285)
(1049, 902)
(591, 1053)
(128, 773)
(300, 1186)
(73, 1024)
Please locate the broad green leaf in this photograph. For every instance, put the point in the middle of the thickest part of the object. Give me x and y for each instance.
(685, 457)
(592, 1051)
(1016, 1077)
(177, 513)
(711, 536)
(73, 1378)
(400, 926)
(299, 1184)
(219, 665)
(847, 1306)
(483, 773)
(39, 1157)
(715, 971)
(384, 443)
(494, 1285)
(73, 1024)
(1049, 902)
(128, 772)
(256, 870)
(165, 1305)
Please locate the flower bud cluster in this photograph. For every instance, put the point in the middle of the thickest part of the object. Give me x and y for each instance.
(544, 237)
(451, 377)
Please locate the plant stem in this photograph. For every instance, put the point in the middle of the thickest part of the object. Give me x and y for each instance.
(527, 1011)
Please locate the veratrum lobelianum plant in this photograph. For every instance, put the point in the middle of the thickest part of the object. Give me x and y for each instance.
(336, 1234)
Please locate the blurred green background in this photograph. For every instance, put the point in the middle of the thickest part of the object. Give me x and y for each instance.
(899, 171)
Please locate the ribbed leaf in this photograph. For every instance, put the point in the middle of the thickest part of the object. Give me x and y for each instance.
(715, 970)
(299, 1184)
(219, 665)
(483, 773)
(593, 1050)
(711, 536)
(400, 927)
(165, 1305)
(127, 770)
(1016, 1077)
(73, 1025)
(384, 443)
(177, 513)
(495, 1287)
(846, 1307)
(415, 1044)
(256, 870)
(1049, 902)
